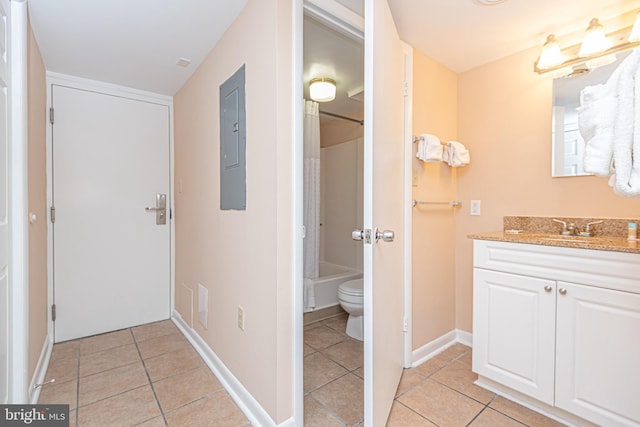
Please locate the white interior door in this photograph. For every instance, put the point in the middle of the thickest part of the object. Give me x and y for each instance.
(383, 208)
(4, 195)
(111, 259)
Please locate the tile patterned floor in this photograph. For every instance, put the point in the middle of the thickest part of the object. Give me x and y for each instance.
(440, 392)
(147, 376)
(151, 376)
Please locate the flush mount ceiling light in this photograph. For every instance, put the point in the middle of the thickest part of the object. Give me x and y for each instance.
(595, 50)
(322, 89)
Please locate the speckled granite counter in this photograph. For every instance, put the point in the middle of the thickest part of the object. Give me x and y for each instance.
(600, 243)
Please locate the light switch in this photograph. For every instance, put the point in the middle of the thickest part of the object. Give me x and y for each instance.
(474, 208)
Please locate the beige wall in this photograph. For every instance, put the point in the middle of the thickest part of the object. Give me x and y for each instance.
(504, 117)
(337, 131)
(37, 102)
(242, 257)
(434, 112)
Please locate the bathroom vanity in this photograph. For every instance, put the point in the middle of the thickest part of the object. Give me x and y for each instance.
(556, 324)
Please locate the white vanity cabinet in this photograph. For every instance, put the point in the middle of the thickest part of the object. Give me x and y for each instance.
(560, 325)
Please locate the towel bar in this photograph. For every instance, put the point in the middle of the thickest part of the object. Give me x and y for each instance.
(453, 203)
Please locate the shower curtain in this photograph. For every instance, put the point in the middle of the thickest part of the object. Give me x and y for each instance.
(311, 210)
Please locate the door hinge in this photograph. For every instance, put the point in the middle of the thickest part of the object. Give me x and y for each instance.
(53, 313)
(170, 213)
(53, 214)
(405, 324)
(406, 89)
(51, 115)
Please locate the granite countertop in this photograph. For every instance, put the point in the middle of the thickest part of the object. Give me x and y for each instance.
(600, 243)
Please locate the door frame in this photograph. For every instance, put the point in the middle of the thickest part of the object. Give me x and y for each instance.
(114, 90)
(17, 174)
(342, 19)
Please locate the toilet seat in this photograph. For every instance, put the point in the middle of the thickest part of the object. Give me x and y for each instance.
(352, 291)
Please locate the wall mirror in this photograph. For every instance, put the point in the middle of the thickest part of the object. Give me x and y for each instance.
(567, 144)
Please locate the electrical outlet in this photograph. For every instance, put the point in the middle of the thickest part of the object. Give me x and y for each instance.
(241, 318)
(474, 208)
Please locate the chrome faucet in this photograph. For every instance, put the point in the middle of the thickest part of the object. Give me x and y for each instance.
(587, 228)
(565, 230)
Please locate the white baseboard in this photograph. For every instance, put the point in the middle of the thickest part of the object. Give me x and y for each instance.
(245, 401)
(40, 372)
(440, 344)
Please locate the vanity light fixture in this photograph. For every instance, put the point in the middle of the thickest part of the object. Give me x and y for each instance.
(322, 89)
(595, 50)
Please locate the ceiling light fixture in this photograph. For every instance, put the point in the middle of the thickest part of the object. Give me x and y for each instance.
(595, 50)
(322, 89)
(489, 2)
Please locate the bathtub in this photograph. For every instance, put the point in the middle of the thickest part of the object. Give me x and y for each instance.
(326, 286)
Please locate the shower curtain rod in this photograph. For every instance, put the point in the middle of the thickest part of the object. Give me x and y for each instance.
(338, 116)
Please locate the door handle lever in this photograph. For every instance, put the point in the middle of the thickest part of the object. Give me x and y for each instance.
(154, 209)
(160, 209)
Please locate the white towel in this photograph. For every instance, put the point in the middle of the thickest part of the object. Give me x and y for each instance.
(429, 149)
(456, 154)
(309, 295)
(627, 129)
(596, 120)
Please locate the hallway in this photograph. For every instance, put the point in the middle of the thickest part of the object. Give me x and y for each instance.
(148, 375)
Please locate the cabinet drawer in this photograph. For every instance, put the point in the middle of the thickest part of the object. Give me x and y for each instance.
(605, 269)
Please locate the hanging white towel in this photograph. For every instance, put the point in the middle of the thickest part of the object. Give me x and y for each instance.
(429, 149)
(626, 145)
(456, 154)
(309, 295)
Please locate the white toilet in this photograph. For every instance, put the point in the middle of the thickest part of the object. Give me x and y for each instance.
(351, 297)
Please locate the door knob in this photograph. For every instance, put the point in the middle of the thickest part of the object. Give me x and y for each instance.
(160, 209)
(361, 235)
(386, 235)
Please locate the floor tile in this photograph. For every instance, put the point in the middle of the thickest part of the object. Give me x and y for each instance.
(466, 359)
(459, 377)
(338, 323)
(185, 388)
(102, 342)
(215, 410)
(108, 359)
(433, 364)
(522, 414)
(318, 371)
(64, 350)
(323, 337)
(154, 422)
(130, 408)
(455, 351)
(491, 418)
(440, 404)
(163, 344)
(308, 350)
(173, 363)
(73, 418)
(410, 378)
(345, 397)
(401, 416)
(112, 382)
(349, 354)
(154, 330)
(62, 370)
(359, 372)
(315, 415)
(60, 393)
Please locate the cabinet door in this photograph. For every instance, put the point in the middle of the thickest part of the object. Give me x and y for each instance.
(514, 331)
(598, 354)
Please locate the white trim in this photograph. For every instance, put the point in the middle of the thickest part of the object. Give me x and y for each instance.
(115, 90)
(408, 196)
(336, 16)
(40, 372)
(298, 219)
(438, 345)
(18, 207)
(245, 401)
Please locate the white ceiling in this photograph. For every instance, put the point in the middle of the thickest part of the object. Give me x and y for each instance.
(130, 43)
(137, 43)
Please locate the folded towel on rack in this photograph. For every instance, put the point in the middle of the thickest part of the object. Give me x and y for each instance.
(429, 149)
(456, 154)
